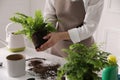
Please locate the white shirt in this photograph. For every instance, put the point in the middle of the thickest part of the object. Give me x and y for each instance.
(93, 10)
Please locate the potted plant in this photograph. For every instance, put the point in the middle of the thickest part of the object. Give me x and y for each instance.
(35, 28)
(110, 72)
(83, 63)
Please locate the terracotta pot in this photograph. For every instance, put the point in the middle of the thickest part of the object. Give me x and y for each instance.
(37, 38)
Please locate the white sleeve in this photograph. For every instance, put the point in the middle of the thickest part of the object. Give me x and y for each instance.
(49, 12)
(91, 21)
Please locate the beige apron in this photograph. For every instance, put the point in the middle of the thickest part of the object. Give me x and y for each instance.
(70, 14)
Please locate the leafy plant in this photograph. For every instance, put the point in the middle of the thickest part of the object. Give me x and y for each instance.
(31, 24)
(83, 63)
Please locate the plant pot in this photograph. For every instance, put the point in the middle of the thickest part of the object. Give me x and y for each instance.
(110, 73)
(37, 38)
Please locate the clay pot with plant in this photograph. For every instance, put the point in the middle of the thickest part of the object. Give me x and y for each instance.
(35, 28)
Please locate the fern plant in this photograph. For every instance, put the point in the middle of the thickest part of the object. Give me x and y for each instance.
(83, 63)
(31, 24)
(33, 27)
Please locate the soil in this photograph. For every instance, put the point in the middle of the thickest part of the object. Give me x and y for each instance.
(49, 71)
(37, 38)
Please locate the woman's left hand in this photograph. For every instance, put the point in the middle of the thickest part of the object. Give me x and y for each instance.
(53, 38)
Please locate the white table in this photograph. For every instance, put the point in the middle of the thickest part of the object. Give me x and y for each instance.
(28, 53)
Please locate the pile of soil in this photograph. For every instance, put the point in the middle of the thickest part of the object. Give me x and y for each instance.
(39, 66)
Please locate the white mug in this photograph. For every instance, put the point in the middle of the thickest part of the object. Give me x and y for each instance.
(16, 65)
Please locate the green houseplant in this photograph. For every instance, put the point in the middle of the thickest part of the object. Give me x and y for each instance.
(35, 28)
(83, 63)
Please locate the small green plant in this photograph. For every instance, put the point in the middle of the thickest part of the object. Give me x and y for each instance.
(32, 24)
(83, 63)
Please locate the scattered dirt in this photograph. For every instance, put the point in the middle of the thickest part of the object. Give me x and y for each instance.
(44, 68)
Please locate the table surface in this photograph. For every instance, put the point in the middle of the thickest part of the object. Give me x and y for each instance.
(28, 53)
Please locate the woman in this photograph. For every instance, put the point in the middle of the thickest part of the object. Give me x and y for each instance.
(75, 20)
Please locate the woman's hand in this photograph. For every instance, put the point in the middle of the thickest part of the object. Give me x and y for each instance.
(53, 38)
